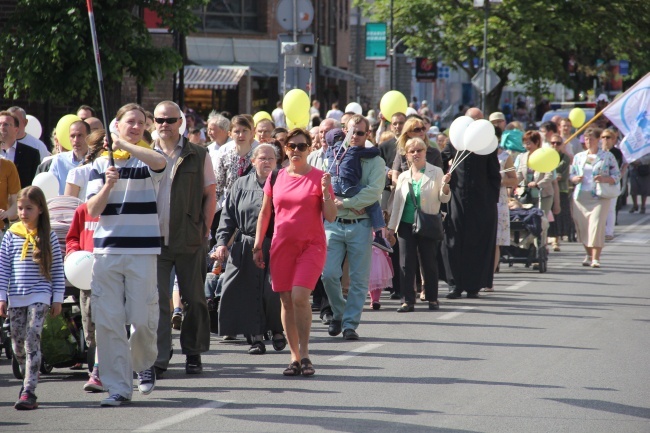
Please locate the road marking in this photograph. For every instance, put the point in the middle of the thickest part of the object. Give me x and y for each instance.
(517, 286)
(453, 314)
(356, 352)
(181, 417)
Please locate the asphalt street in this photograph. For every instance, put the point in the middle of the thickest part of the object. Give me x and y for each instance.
(564, 351)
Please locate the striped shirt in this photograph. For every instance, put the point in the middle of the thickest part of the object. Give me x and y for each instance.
(129, 223)
(21, 280)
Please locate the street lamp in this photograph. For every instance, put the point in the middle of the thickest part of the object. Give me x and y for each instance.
(485, 4)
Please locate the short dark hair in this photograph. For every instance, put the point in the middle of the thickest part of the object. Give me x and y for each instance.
(85, 124)
(89, 108)
(12, 115)
(549, 126)
(299, 131)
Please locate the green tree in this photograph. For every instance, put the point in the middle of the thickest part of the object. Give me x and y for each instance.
(48, 55)
(532, 39)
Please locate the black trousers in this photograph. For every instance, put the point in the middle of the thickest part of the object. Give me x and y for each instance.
(409, 247)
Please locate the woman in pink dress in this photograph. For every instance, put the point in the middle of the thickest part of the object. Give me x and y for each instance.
(300, 197)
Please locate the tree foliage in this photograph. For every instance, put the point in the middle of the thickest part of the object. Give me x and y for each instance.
(47, 50)
(533, 39)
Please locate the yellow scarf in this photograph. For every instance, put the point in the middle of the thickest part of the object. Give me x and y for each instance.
(19, 229)
(123, 154)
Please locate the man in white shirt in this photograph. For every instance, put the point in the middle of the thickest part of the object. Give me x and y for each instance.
(278, 116)
(335, 113)
(25, 138)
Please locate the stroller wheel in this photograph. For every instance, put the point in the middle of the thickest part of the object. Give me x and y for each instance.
(45, 367)
(15, 368)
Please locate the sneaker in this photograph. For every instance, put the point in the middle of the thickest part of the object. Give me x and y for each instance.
(327, 318)
(350, 334)
(115, 400)
(595, 264)
(381, 243)
(93, 384)
(177, 318)
(147, 381)
(27, 401)
(193, 364)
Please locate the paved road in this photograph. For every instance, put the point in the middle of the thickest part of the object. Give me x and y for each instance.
(565, 351)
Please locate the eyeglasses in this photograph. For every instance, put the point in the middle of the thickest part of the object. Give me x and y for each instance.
(418, 130)
(300, 146)
(360, 133)
(168, 120)
(556, 143)
(414, 151)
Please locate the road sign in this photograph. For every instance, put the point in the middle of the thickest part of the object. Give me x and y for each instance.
(493, 80)
(285, 16)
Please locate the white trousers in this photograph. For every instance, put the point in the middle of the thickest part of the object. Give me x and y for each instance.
(611, 219)
(124, 291)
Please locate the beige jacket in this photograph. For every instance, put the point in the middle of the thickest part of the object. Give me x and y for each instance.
(431, 194)
(544, 181)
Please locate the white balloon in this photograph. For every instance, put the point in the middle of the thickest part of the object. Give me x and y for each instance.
(457, 131)
(48, 183)
(113, 127)
(154, 135)
(489, 149)
(478, 135)
(410, 111)
(78, 269)
(353, 107)
(183, 124)
(33, 127)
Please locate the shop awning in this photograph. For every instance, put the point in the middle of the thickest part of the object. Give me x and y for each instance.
(213, 77)
(339, 74)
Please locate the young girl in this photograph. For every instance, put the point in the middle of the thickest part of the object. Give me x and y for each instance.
(31, 277)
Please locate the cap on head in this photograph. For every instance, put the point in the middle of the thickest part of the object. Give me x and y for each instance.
(497, 115)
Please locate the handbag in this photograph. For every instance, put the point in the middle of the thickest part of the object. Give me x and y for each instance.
(608, 190)
(426, 225)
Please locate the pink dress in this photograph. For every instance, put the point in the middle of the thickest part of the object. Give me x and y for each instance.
(381, 274)
(298, 247)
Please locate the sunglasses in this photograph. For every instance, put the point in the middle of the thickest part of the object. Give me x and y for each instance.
(300, 146)
(418, 130)
(168, 120)
(556, 143)
(360, 133)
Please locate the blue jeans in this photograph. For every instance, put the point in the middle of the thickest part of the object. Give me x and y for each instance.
(356, 241)
(343, 189)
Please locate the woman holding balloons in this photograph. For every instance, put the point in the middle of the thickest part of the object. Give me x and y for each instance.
(589, 169)
(537, 184)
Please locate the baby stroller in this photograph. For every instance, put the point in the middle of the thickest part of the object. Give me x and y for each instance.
(527, 239)
(62, 343)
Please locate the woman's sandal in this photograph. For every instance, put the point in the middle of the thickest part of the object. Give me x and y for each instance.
(307, 367)
(258, 348)
(293, 369)
(279, 343)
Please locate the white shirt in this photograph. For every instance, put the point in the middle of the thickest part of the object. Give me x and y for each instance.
(79, 176)
(36, 144)
(335, 114)
(278, 118)
(10, 153)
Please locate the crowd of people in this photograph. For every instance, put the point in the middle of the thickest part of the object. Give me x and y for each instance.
(298, 220)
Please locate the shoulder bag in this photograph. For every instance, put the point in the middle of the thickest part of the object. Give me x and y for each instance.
(608, 190)
(426, 225)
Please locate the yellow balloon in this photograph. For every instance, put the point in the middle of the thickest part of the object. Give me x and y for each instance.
(577, 117)
(302, 124)
(63, 130)
(544, 160)
(261, 115)
(296, 105)
(393, 102)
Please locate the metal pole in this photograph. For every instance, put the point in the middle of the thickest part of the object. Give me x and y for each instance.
(295, 20)
(100, 81)
(485, 63)
(392, 51)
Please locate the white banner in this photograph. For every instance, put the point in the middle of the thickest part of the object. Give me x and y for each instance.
(630, 112)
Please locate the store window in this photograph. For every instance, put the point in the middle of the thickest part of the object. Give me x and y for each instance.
(246, 16)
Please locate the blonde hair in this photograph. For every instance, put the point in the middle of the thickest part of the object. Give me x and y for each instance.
(408, 126)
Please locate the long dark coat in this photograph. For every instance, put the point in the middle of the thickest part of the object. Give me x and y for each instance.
(248, 304)
(471, 222)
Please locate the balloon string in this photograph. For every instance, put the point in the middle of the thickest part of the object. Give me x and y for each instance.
(508, 169)
(459, 162)
(455, 159)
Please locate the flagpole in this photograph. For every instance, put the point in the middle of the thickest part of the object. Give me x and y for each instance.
(100, 80)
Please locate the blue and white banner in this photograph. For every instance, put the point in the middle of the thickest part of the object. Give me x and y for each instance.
(630, 112)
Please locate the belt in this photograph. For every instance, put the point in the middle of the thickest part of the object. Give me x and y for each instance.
(345, 221)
